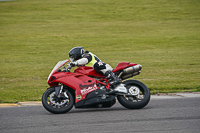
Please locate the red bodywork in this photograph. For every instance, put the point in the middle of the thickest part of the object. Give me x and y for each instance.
(82, 80)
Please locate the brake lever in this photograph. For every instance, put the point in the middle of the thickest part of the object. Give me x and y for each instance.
(68, 67)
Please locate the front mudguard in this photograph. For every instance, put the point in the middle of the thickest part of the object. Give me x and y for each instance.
(58, 90)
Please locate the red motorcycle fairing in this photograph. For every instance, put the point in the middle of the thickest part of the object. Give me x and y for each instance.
(82, 84)
(80, 80)
(123, 65)
(86, 70)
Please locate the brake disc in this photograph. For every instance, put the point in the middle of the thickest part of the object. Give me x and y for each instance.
(134, 90)
(52, 100)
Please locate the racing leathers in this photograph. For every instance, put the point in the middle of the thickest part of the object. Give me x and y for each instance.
(89, 59)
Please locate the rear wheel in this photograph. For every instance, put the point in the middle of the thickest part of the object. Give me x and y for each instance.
(57, 105)
(138, 95)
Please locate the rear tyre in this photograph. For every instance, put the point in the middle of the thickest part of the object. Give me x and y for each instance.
(57, 105)
(139, 95)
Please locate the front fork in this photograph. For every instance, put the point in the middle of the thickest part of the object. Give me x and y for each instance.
(59, 93)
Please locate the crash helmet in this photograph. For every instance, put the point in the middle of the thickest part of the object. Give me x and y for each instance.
(76, 53)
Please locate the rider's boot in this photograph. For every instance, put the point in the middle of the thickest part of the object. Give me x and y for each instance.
(110, 75)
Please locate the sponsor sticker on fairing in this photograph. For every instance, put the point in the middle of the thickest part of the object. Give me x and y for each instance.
(79, 97)
(87, 88)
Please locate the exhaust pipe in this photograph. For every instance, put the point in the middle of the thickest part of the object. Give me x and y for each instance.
(130, 71)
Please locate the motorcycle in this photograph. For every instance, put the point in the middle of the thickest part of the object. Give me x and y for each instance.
(85, 88)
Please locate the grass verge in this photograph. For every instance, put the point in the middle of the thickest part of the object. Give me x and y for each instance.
(161, 35)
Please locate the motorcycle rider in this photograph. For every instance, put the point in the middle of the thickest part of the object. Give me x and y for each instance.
(80, 57)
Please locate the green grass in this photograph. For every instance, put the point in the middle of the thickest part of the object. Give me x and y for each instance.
(161, 35)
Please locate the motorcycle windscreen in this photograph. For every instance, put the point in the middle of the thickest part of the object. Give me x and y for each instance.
(59, 64)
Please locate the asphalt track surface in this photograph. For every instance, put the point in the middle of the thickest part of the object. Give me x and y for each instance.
(176, 115)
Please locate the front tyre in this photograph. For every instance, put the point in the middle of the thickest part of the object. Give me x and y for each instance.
(57, 105)
(138, 95)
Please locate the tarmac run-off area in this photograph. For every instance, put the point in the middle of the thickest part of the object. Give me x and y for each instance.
(153, 97)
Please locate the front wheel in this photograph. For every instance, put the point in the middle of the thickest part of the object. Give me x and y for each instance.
(55, 104)
(138, 95)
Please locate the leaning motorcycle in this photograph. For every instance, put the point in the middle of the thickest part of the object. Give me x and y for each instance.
(85, 88)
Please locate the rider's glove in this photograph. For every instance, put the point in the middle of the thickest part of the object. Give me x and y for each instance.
(69, 66)
(73, 64)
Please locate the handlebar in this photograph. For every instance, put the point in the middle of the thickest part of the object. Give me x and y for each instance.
(68, 68)
(65, 69)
